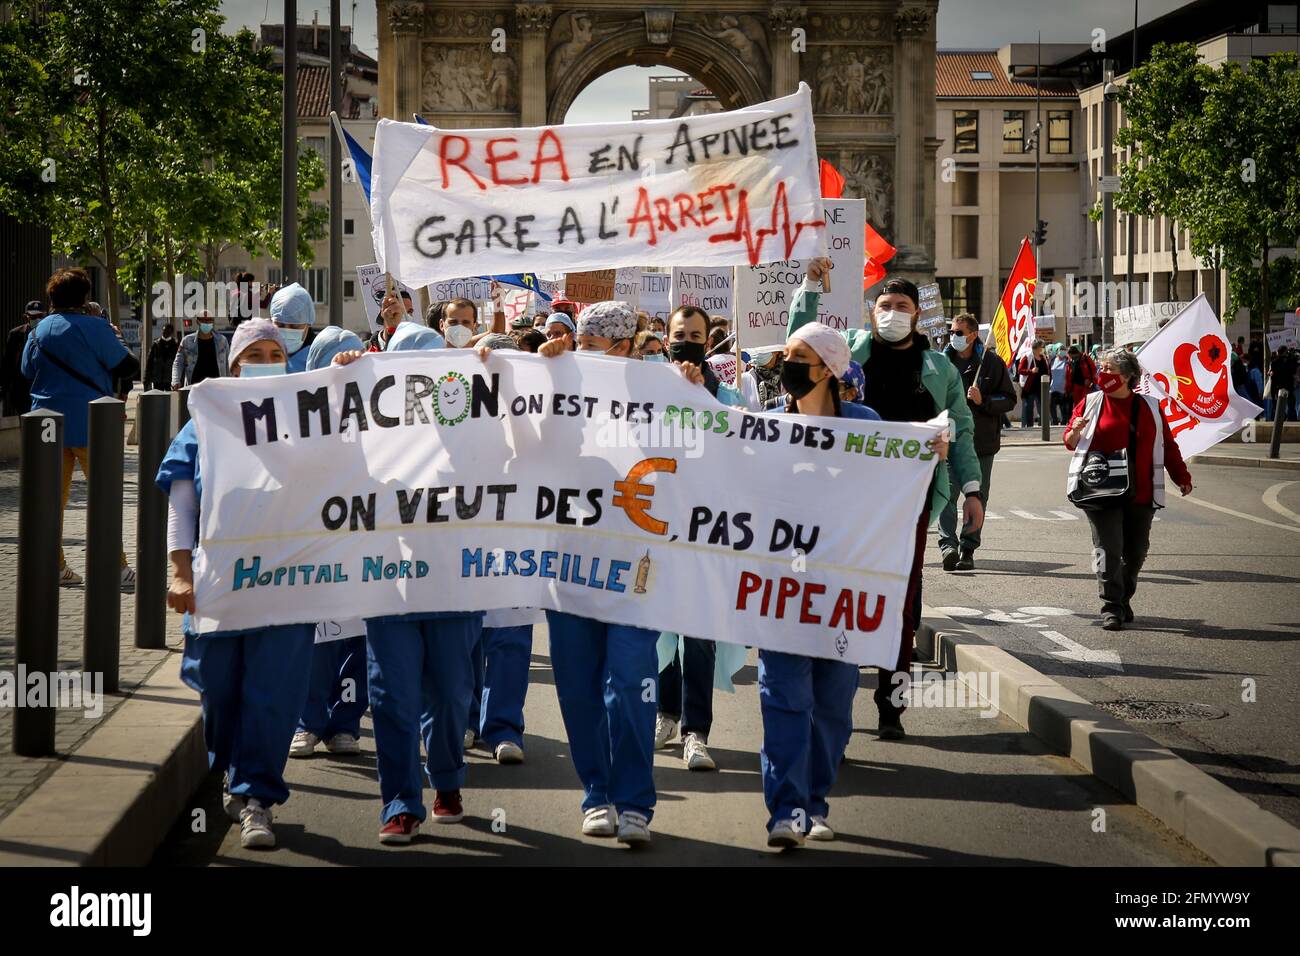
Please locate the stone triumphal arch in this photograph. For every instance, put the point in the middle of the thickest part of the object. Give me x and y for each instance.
(870, 64)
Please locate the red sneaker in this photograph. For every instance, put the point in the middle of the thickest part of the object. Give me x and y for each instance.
(400, 829)
(447, 807)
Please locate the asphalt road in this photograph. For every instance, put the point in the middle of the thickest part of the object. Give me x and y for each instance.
(1217, 608)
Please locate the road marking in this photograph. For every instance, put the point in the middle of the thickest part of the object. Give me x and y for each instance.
(1074, 651)
(1030, 516)
(1238, 514)
(1270, 499)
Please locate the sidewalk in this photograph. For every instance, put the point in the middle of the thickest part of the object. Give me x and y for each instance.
(1240, 454)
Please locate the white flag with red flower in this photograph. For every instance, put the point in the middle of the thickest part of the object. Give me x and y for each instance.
(1188, 366)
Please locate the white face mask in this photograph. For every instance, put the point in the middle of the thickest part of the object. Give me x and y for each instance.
(260, 371)
(293, 338)
(893, 326)
(762, 360)
(959, 343)
(458, 336)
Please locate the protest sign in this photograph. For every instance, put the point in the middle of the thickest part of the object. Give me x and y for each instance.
(1045, 323)
(1079, 325)
(719, 189)
(627, 286)
(589, 286)
(707, 289)
(513, 301)
(1137, 323)
(370, 279)
(1291, 320)
(763, 294)
(1281, 337)
(330, 631)
(435, 481)
(475, 289)
(655, 289)
(930, 301)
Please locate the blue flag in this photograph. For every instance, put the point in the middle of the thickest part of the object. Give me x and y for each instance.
(522, 280)
(360, 161)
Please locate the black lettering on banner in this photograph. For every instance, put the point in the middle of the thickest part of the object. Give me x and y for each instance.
(258, 411)
(308, 402)
(682, 139)
(434, 516)
(570, 221)
(466, 234)
(407, 504)
(491, 230)
(502, 492)
(782, 130)
(334, 513)
(630, 160)
(598, 161)
(521, 231)
(381, 386)
(602, 232)
(418, 388)
(353, 407)
(363, 511)
(430, 244)
(484, 398)
(466, 510)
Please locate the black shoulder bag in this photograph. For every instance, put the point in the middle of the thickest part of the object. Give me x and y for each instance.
(1106, 478)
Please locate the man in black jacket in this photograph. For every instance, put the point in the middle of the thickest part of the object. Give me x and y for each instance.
(17, 390)
(990, 394)
(162, 355)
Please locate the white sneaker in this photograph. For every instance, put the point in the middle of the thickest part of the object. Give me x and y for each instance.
(304, 744)
(600, 822)
(665, 730)
(255, 826)
(128, 580)
(820, 830)
(696, 754)
(509, 752)
(470, 737)
(233, 805)
(343, 744)
(784, 834)
(633, 828)
(69, 578)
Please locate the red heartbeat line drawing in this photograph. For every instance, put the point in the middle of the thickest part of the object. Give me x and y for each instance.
(754, 241)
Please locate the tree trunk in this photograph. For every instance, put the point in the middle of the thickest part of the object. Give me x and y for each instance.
(1172, 290)
(106, 211)
(1265, 302)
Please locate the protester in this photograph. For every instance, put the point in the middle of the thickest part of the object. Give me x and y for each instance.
(657, 324)
(559, 327)
(459, 323)
(203, 354)
(853, 383)
(239, 304)
(990, 395)
(766, 368)
(1059, 400)
(392, 313)
(71, 359)
(252, 683)
(1282, 375)
(17, 390)
(904, 382)
(530, 340)
(293, 312)
(1031, 369)
(650, 347)
(162, 356)
(1080, 375)
(337, 695)
(602, 670)
(421, 670)
(564, 306)
(1105, 423)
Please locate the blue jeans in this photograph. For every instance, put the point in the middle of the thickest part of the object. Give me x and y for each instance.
(336, 694)
(970, 540)
(605, 677)
(508, 651)
(686, 687)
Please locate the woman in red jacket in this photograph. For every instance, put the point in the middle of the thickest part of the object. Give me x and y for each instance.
(1121, 531)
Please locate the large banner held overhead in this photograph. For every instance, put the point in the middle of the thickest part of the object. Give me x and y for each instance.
(617, 490)
(764, 293)
(720, 189)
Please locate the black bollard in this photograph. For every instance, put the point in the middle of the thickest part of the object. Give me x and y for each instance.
(182, 407)
(102, 631)
(1044, 403)
(1280, 397)
(154, 417)
(40, 530)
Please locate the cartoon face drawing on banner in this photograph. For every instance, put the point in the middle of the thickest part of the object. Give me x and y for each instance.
(451, 401)
(1211, 354)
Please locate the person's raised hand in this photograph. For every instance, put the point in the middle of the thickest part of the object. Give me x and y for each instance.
(347, 358)
(818, 267)
(553, 347)
(691, 373)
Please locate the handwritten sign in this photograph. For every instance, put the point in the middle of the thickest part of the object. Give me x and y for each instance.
(590, 286)
(370, 278)
(655, 298)
(627, 286)
(475, 289)
(707, 289)
(720, 189)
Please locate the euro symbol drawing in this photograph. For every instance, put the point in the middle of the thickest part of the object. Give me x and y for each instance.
(634, 497)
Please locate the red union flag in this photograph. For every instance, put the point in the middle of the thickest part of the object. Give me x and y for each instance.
(1013, 323)
(1188, 366)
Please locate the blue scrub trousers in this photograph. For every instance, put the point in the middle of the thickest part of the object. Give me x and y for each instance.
(807, 706)
(252, 686)
(601, 672)
(507, 653)
(333, 664)
(421, 679)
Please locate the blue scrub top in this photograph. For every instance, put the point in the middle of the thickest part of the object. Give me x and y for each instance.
(297, 362)
(86, 343)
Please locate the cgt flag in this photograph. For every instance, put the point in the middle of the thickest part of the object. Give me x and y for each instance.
(1187, 365)
(1013, 323)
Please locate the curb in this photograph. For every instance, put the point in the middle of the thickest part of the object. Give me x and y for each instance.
(1229, 828)
(1241, 461)
(114, 799)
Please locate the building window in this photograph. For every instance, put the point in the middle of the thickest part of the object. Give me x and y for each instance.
(1013, 131)
(965, 237)
(1282, 18)
(347, 227)
(349, 289)
(1096, 124)
(961, 294)
(966, 131)
(317, 144)
(315, 281)
(965, 189)
(981, 75)
(1058, 132)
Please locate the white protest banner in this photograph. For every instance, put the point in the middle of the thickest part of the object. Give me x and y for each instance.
(426, 481)
(719, 189)
(764, 293)
(655, 288)
(1138, 323)
(627, 287)
(1045, 323)
(1079, 325)
(371, 280)
(330, 631)
(1187, 365)
(1291, 320)
(707, 289)
(476, 289)
(1279, 338)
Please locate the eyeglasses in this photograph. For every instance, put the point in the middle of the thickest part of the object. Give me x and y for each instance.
(556, 333)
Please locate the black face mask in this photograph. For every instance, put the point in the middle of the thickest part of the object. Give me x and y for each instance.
(796, 378)
(692, 352)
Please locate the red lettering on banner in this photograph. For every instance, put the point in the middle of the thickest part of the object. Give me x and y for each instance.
(641, 214)
(493, 161)
(458, 161)
(749, 583)
(754, 239)
(852, 610)
(541, 160)
(665, 215)
(806, 616)
(685, 208)
(787, 589)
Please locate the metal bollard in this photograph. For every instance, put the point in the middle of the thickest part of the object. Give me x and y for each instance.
(1044, 403)
(102, 631)
(1279, 419)
(154, 415)
(182, 407)
(40, 530)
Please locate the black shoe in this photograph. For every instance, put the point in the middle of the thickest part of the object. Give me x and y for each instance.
(1128, 613)
(1111, 622)
(967, 561)
(950, 560)
(891, 726)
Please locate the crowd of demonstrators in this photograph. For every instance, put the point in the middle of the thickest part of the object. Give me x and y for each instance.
(905, 382)
(1282, 374)
(16, 388)
(1031, 368)
(1111, 427)
(72, 358)
(203, 354)
(990, 395)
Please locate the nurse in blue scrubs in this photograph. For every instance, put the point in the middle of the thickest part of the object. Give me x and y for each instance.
(336, 694)
(293, 312)
(252, 682)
